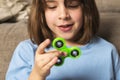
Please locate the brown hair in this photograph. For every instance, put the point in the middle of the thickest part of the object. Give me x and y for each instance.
(39, 31)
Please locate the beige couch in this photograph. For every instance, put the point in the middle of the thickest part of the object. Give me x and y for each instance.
(12, 33)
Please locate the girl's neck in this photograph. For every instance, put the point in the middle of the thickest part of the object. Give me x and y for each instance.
(69, 43)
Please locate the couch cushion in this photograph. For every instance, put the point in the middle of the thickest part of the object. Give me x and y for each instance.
(10, 35)
(110, 28)
(108, 5)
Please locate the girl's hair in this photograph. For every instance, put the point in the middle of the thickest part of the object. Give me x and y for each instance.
(39, 31)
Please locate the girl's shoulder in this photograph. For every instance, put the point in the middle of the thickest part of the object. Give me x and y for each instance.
(101, 42)
(27, 44)
(25, 48)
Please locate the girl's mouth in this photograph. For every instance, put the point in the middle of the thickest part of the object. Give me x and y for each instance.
(65, 28)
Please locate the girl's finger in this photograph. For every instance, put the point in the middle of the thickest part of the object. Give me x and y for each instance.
(42, 46)
(46, 58)
(50, 64)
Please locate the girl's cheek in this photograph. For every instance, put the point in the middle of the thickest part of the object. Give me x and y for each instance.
(50, 15)
(76, 15)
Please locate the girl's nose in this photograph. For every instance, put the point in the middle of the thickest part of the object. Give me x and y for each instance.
(64, 13)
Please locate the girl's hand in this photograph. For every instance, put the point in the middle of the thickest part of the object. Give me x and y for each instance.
(44, 61)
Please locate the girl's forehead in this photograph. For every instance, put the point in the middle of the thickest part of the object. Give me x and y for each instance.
(62, 0)
(65, 1)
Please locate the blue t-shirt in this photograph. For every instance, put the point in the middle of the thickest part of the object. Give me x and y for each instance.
(99, 61)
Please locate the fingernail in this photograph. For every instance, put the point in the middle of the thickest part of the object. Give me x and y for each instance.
(63, 53)
(47, 40)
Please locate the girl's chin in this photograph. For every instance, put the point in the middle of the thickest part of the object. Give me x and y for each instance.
(66, 37)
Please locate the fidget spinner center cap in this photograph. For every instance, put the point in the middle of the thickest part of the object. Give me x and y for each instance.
(59, 44)
(75, 53)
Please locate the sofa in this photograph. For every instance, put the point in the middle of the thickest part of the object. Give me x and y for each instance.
(11, 33)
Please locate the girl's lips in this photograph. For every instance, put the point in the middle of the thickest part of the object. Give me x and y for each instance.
(65, 28)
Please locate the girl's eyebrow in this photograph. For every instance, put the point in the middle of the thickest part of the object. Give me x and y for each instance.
(50, 0)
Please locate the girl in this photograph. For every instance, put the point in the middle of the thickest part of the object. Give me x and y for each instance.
(77, 21)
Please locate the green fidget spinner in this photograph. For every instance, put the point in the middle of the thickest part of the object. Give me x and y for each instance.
(60, 44)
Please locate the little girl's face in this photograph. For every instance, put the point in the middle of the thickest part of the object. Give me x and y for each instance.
(64, 18)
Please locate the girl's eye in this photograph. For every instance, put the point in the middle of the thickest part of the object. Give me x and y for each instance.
(51, 5)
(73, 4)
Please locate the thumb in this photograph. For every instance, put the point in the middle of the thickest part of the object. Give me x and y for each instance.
(42, 46)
